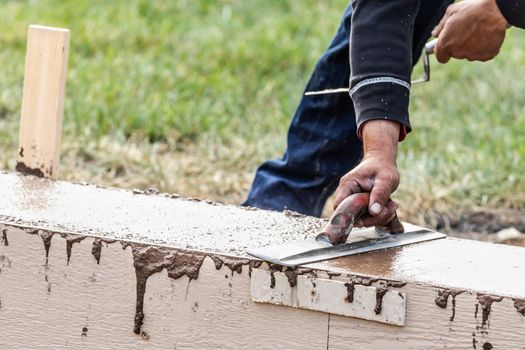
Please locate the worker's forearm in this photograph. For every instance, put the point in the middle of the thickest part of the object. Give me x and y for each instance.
(380, 139)
(513, 11)
(381, 59)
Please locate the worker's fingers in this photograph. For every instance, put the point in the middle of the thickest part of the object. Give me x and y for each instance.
(439, 27)
(382, 219)
(347, 186)
(384, 185)
(441, 52)
(340, 195)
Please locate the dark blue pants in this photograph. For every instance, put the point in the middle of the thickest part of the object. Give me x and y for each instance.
(322, 138)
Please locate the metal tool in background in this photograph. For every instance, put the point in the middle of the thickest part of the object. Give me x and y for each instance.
(332, 241)
(427, 51)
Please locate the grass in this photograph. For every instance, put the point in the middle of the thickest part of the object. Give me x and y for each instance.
(190, 96)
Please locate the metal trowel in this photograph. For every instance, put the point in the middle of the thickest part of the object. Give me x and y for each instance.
(333, 241)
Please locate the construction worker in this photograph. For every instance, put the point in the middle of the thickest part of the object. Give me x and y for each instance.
(348, 142)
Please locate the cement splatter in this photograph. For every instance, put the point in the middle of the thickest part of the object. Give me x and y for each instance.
(4, 262)
(487, 346)
(96, 250)
(272, 280)
(350, 289)
(147, 261)
(70, 240)
(4, 237)
(24, 169)
(442, 300)
(152, 259)
(46, 238)
(234, 264)
(253, 265)
(292, 274)
(186, 264)
(485, 301)
(332, 274)
(380, 293)
(519, 304)
(381, 290)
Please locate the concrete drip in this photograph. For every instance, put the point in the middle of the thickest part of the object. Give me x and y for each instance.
(519, 304)
(253, 265)
(381, 289)
(350, 289)
(46, 238)
(234, 264)
(486, 300)
(292, 274)
(4, 237)
(70, 240)
(96, 251)
(380, 293)
(442, 299)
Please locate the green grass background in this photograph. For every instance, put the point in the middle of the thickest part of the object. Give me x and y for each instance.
(189, 96)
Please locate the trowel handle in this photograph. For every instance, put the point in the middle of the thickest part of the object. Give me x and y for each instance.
(429, 47)
(346, 214)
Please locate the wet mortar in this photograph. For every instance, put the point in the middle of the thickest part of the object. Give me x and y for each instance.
(485, 301)
(382, 287)
(70, 240)
(146, 217)
(96, 251)
(441, 300)
(5, 241)
(24, 169)
(519, 304)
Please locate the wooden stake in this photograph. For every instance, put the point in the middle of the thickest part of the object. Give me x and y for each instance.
(43, 100)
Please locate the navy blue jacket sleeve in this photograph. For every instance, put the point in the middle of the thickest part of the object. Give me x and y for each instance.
(513, 11)
(381, 59)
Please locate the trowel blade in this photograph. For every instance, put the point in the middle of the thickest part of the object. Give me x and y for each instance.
(302, 252)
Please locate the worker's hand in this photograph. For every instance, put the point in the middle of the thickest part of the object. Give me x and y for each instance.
(376, 174)
(471, 29)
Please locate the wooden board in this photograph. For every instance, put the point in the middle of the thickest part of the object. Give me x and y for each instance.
(43, 100)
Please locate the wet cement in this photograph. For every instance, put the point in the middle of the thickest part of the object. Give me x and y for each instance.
(219, 230)
(519, 304)
(447, 263)
(144, 217)
(442, 300)
(23, 168)
(486, 301)
(4, 239)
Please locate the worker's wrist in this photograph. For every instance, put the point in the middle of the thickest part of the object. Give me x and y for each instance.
(500, 20)
(380, 139)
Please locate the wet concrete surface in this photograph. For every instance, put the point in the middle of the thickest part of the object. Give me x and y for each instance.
(146, 218)
(228, 230)
(449, 263)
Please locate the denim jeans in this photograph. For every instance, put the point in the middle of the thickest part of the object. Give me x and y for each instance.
(322, 138)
